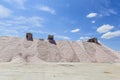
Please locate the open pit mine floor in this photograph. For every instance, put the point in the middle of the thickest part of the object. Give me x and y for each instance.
(60, 71)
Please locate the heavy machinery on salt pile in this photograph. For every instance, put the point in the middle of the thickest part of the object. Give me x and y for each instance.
(51, 39)
(94, 40)
(29, 36)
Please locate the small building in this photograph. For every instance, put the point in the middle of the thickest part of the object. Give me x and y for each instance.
(29, 36)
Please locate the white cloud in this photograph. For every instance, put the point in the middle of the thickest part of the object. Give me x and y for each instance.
(91, 15)
(4, 12)
(21, 25)
(62, 37)
(47, 9)
(23, 21)
(105, 28)
(111, 11)
(93, 21)
(109, 35)
(75, 30)
(84, 38)
(17, 3)
(107, 12)
(39, 32)
(5, 31)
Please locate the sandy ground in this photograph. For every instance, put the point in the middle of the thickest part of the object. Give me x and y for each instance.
(60, 71)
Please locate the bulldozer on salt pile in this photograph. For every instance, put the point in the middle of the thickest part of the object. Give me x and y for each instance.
(51, 39)
(29, 36)
(94, 40)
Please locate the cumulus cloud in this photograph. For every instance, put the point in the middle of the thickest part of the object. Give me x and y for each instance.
(4, 12)
(105, 28)
(109, 35)
(17, 3)
(47, 9)
(75, 30)
(91, 15)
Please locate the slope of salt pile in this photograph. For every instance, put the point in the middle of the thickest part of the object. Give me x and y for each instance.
(18, 50)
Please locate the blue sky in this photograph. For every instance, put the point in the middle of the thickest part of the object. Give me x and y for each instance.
(75, 20)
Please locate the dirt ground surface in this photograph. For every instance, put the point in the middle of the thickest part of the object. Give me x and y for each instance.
(60, 71)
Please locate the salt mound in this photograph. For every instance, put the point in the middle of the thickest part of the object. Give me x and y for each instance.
(18, 59)
(18, 50)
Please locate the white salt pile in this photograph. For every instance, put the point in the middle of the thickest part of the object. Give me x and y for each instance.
(18, 50)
